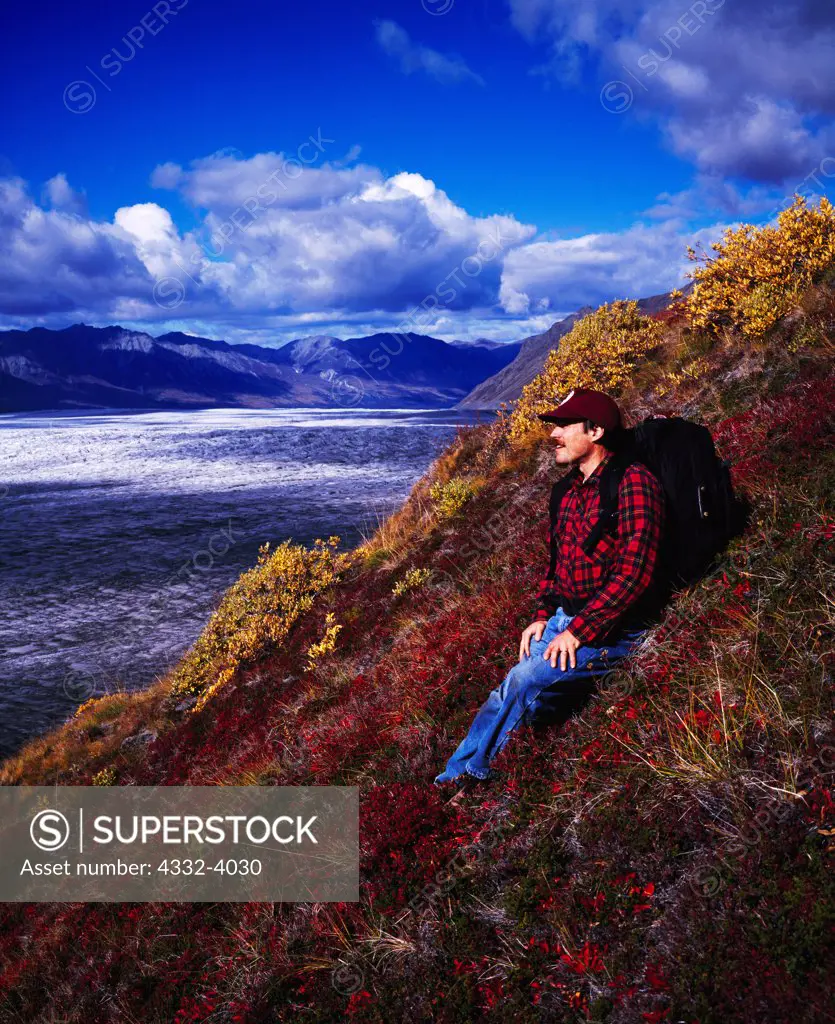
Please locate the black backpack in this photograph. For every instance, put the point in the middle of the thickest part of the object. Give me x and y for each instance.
(702, 512)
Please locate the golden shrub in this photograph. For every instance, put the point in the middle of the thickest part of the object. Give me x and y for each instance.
(600, 352)
(327, 643)
(449, 498)
(85, 706)
(693, 370)
(759, 274)
(257, 613)
(413, 578)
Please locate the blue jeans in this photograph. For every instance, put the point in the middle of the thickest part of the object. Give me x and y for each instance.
(532, 693)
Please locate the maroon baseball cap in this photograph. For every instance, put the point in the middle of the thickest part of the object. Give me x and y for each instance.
(585, 404)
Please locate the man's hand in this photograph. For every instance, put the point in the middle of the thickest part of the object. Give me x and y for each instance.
(565, 645)
(535, 630)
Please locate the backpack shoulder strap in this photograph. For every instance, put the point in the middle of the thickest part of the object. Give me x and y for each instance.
(607, 521)
(558, 492)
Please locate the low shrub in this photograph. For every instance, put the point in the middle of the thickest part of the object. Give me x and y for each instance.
(414, 578)
(759, 274)
(449, 498)
(257, 613)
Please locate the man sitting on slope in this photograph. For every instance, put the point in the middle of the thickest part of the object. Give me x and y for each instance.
(592, 610)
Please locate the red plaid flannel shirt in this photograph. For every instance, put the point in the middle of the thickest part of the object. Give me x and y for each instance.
(620, 569)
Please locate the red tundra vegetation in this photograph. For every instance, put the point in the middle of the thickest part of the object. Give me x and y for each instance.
(665, 855)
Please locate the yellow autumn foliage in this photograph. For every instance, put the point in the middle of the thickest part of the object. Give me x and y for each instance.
(327, 643)
(450, 497)
(413, 579)
(257, 613)
(85, 706)
(693, 370)
(759, 274)
(600, 352)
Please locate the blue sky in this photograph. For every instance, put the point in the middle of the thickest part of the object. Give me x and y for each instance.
(470, 167)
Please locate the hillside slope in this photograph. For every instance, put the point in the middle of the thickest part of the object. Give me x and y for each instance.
(664, 855)
(506, 385)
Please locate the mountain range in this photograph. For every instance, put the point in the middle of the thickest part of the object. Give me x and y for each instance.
(111, 367)
(82, 367)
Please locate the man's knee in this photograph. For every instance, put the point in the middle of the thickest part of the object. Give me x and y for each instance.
(522, 678)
